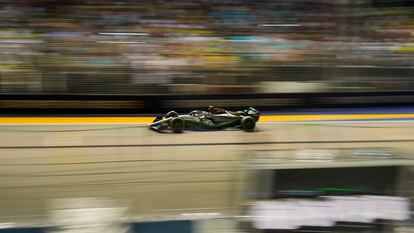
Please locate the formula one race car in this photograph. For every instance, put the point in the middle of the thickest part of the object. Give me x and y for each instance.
(212, 119)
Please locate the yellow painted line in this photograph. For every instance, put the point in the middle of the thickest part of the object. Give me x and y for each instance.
(146, 120)
(76, 120)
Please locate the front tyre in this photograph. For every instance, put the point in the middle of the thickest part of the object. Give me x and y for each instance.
(177, 125)
(248, 123)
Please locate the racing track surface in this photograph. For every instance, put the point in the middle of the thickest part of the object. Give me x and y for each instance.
(155, 173)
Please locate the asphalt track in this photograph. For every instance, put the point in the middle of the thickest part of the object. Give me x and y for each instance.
(43, 159)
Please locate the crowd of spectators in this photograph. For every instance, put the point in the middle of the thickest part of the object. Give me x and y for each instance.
(205, 46)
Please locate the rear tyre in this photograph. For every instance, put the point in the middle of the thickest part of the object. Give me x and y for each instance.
(248, 123)
(177, 125)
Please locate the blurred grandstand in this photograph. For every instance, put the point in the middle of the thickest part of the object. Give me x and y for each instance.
(197, 46)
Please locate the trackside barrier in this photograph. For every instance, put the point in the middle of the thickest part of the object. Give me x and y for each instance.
(173, 226)
(24, 230)
(130, 104)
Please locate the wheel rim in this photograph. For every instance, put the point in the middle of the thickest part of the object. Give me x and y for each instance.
(249, 124)
(177, 124)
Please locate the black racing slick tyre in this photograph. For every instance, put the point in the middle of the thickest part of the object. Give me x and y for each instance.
(177, 125)
(248, 123)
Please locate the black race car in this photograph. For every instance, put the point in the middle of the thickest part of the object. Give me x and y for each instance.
(212, 119)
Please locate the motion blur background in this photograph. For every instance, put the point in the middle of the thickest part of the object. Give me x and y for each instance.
(229, 46)
(300, 172)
